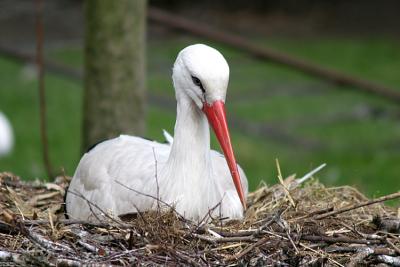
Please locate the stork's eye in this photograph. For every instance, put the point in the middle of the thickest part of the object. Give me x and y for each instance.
(197, 82)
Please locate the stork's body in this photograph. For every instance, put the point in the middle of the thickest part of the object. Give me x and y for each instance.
(184, 173)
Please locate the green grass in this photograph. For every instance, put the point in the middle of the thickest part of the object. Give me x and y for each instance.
(358, 152)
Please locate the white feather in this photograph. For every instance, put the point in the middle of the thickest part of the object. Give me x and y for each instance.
(168, 137)
(6, 136)
(184, 173)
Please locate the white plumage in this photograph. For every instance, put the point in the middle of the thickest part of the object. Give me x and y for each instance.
(6, 136)
(184, 173)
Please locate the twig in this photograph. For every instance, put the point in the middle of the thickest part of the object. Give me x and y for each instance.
(72, 263)
(214, 240)
(363, 204)
(291, 241)
(88, 246)
(322, 254)
(393, 261)
(312, 213)
(42, 93)
(390, 243)
(274, 218)
(93, 212)
(329, 239)
(8, 229)
(184, 257)
(391, 225)
(156, 176)
(78, 194)
(21, 259)
(41, 241)
(354, 249)
(360, 256)
(69, 222)
(249, 248)
(307, 176)
(10, 256)
(150, 196)
(307, 247)
(285, 189)
(51, 222)
(207, 215)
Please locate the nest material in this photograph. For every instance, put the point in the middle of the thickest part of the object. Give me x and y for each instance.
(287, 225)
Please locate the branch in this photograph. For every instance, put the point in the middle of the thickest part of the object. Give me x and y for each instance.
(363, 204)
(393, 261)
(42, 93)
(266, 53)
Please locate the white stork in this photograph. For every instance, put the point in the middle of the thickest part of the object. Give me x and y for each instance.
(6, 136)
(184, 173)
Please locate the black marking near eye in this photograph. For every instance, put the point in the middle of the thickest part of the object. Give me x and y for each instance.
(197, 82)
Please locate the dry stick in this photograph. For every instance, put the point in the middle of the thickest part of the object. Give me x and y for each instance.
(354, 249)
(242, 253)
(88, 246)
(67, 222)
(156, 176)
(7, 228)
(246, 236)
(307, 176)
(214, 240)
(311, 238)
(365, 236)
(153, 197)
(266, 53)
(391, 224)
(291, 241)
(20, 259)
(40, 240)
(72, 263)
(42, 94)
(304, 246)
(393, 261)
(208, 215)
(6, 256)
(321, 254)
(183, 257)
(390, 243)
(274, 219)
(363, 204)
(90, 203)
(328, 239)
(358, 258)
(120, 254)
(285, 189)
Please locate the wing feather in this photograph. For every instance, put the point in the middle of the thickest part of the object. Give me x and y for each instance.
(127, 159)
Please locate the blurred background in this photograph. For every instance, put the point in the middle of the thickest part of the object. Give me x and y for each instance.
(276, 111)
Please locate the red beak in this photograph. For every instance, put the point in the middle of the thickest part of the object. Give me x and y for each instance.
(217, 118)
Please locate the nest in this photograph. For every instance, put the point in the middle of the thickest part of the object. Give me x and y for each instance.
(288, 224)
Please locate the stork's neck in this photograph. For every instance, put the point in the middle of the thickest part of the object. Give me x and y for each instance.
(190, 151)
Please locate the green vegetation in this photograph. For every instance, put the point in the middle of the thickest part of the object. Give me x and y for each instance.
(355, 134)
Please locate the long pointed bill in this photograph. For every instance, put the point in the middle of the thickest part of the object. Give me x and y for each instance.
(217, 118)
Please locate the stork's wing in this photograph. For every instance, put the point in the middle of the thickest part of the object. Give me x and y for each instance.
(103, 172)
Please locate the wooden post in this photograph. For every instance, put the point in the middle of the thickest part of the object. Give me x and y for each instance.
(114, 69)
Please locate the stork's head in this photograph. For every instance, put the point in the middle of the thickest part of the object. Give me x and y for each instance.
(201, 73)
